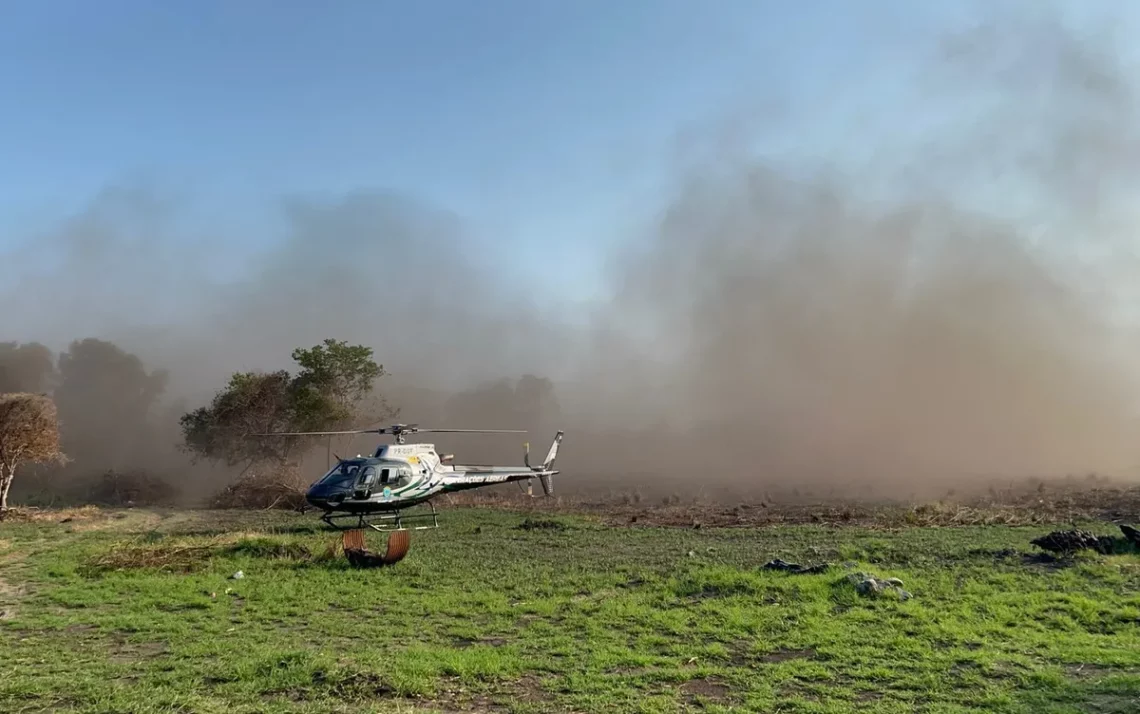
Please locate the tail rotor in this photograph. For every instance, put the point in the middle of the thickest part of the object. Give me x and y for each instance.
(545, 472)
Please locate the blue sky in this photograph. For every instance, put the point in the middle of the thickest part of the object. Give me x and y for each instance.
(546, 124)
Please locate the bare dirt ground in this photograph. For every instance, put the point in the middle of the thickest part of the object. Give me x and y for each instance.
(1027, 503)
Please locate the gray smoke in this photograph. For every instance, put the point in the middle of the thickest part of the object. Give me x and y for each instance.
(949, 308)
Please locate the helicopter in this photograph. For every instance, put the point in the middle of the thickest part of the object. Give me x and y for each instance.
(375, 491)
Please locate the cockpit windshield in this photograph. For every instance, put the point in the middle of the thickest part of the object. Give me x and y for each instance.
(344, 474)
(347, 474)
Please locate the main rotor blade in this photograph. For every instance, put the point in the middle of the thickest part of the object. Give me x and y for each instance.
(410, 429)
(477, 431)
(319, 433)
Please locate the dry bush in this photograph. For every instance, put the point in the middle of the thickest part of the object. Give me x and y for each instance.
(265, 488)
(130, 488)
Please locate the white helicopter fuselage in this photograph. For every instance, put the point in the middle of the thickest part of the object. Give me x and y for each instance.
(401, 475)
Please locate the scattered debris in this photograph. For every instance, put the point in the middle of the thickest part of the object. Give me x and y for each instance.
(795, 568)
(1131, 534)
(1071, 541)
(237, 576)
(869, 586)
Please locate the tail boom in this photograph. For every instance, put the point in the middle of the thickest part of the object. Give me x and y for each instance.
(467, 477)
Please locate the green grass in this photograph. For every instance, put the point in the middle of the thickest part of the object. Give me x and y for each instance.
(486, 616)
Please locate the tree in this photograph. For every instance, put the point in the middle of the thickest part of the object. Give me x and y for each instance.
(106, 398)
(341, 373)
(25, 367)
(330, 392)
(29, 433)
(251, 403)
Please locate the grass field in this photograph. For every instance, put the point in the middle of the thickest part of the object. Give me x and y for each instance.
(136, 611)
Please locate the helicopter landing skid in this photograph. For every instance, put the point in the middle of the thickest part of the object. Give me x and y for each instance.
(383, 522)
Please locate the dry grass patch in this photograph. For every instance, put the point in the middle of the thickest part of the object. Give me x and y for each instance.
(31, 514)
(175, 559)
(190, 555)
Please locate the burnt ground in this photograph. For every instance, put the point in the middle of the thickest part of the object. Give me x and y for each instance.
(1033, 502)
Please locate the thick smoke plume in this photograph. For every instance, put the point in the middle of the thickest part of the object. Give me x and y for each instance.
(949, 309)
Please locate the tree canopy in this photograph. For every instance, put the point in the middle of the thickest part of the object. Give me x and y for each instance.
(330, 392)
(25, 367)
(107, 399)
(29, 433)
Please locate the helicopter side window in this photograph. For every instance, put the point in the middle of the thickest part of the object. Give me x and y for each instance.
(364, 486)
(384, 475)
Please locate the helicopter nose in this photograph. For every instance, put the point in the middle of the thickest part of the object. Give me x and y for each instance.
(332, 499)
(321, 497)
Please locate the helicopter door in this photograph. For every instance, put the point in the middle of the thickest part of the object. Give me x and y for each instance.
(364, 483)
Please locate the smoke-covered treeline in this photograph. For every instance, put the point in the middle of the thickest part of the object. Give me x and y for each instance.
(953, 304)
(114, 420)
(121, 431)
